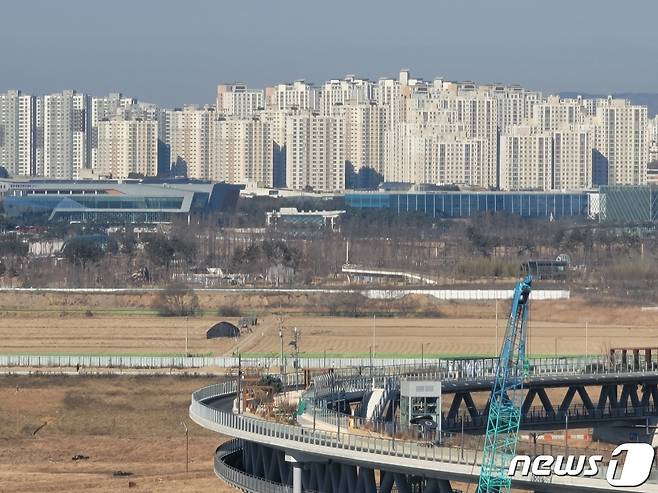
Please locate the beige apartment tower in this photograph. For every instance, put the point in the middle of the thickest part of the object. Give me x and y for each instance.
(127, 146)
(315, 155)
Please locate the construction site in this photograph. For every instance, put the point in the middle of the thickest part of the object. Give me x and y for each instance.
(443, 425)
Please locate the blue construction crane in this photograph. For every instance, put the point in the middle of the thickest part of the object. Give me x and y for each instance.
(506, 398)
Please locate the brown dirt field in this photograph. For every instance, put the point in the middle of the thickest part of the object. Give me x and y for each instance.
(54, 326)
(107, 334)
(122, 423)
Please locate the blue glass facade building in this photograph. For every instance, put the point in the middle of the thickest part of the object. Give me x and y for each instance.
(467, 204)
(116, 202)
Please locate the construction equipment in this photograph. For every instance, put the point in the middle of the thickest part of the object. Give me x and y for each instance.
(506, 398)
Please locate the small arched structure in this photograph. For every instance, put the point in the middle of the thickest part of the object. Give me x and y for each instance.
(222, 329)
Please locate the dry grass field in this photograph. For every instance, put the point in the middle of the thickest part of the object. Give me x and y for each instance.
(462, 329)
(133, 423)
(122, 423)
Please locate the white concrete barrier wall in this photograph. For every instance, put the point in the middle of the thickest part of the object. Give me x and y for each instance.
(440, 294)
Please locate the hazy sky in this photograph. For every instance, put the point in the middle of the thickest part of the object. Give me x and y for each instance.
(175, 51)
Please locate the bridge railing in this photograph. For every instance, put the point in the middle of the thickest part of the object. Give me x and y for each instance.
(577, 413)
(334, 440)
(459, 370)
(240, 479)
(244, 425)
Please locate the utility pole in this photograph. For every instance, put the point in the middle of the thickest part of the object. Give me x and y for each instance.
(422, 355)
(586, 340)
(187, 333)
(187, 448)
(239, 382)
(338, 416)
(496, 348)
(371, 362)
(295, 342)
(462, 444)
(566, 432)
(281, 362)
(374, 333)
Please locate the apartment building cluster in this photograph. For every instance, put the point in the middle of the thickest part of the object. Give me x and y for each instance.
(63, 134)
(347, 133)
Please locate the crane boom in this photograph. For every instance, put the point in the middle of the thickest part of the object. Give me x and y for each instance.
(505, 402)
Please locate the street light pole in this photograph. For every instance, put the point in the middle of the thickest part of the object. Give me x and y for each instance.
(187, 448)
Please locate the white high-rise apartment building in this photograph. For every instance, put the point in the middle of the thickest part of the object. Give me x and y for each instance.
(463, 111)
(515, 104)
(276, 122)
(394, 95)
(621, 148)
(478, 113)
(238, 100)
(315, 155)
(556, 113)
(526, 159)
(106, 107)
(653, 139)
(192, 141)
(17, 133)
(64, 134)
(572, 157)
(446, 159)
(364, 126)
(127, 145)
(102, 108)
(296, 96)
(339, 92)
(243, 152)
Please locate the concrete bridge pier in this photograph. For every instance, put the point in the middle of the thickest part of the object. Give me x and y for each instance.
(296, 477)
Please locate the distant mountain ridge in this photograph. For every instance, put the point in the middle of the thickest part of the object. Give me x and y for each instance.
(650, 100)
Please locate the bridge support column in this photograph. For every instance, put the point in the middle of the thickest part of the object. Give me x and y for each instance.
(296, 477)
(307, 472)
(444, 486)
(437, 486)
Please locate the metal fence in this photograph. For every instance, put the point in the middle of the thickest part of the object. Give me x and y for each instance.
(442, 294)
(182, 362)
